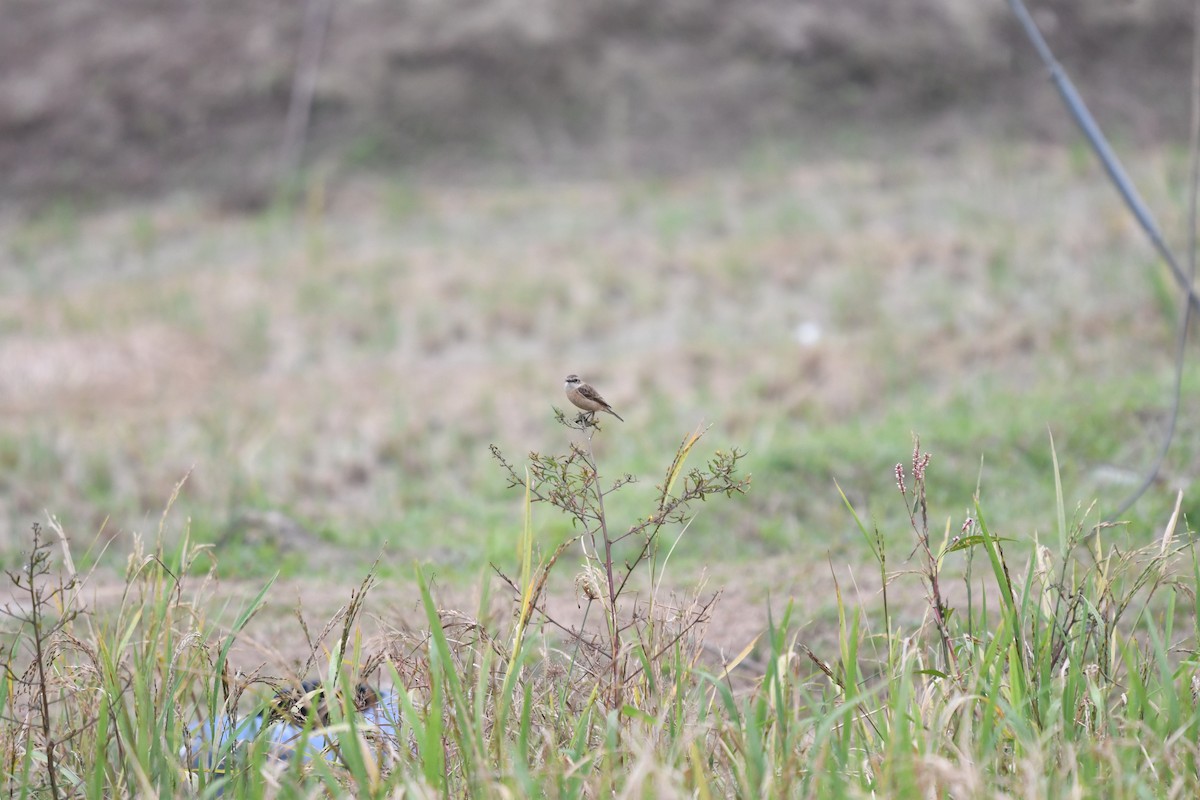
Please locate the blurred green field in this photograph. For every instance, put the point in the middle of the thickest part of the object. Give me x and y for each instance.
(328, 375)
(235, 419)
(266, 406)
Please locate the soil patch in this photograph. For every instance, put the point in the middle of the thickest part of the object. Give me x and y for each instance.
(104, 96)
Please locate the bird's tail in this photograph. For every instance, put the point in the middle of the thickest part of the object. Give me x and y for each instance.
(615, 414)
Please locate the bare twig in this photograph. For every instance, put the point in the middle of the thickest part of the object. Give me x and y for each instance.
(317, 15)
(1133, 201)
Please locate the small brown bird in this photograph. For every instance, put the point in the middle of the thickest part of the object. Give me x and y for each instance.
(584, 396)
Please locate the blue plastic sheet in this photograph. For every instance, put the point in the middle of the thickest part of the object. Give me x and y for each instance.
(216, 746)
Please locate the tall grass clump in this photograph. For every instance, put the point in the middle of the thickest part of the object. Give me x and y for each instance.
(1069, 673)
(989, 666)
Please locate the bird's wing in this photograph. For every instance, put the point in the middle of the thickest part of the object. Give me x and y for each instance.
(592, 394)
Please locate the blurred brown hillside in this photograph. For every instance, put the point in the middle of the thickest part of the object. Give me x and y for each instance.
(144, 95)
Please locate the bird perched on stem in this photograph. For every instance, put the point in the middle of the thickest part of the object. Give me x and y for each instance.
(583, 396)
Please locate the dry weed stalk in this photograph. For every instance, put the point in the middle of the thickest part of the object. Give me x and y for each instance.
(918, 517)
(42, 625)
(572, 483)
